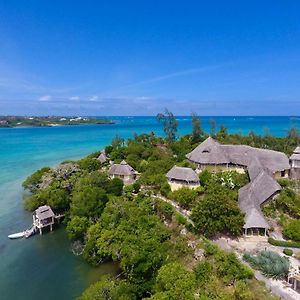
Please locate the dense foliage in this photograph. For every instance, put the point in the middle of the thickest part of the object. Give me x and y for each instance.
(218, 211)
(150, 242)
(32, 180)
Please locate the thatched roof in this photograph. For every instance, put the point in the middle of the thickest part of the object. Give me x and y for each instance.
(122, 169)
(44, 212)
(255, 219)
(295, 156)
(212, 152)
(261, 164)
(297, 150)
(102, 157)
(257, 191)
(208, 152)
(183, 174)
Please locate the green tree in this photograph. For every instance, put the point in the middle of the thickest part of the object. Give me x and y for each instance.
(197, 133)
(89, 164)
(34, 179)
(173, 281)
(169, 124)
(110, 289)
(222, 133)
(218, 211)
(184, 196)
(115, 187)
(77, 227)
(88, 202)
(212, 127)
(292, 230)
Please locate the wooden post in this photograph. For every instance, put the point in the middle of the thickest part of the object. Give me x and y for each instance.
(40, 229)
(295, 284)
(50, 227)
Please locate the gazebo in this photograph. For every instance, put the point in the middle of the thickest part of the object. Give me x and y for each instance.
(255, 223)
(43, 217)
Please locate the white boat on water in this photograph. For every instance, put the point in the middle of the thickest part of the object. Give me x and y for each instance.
(17, 235)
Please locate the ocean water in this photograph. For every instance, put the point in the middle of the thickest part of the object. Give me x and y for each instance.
(44, 266)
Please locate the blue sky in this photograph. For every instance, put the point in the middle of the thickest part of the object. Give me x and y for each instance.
(137, 57)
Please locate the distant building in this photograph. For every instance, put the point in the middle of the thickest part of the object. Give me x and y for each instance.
(179, 177)
(102, 157)
(263, 167)
(43, 217)
(295, 164)
(123, 171)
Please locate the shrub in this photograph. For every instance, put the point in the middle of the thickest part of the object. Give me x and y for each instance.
(283, 243)
(89, 164)
(115, 187)
(270, 263)
(77, 227)
(288, 252)
(164, 208)
(292, 230)
(210, 249)
(184, 196)
(180, 219)
(205, 177)
(203, 271)
(136, 187)
(35, 178)
(230, 269)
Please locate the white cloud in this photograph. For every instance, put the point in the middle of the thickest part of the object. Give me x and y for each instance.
(94, 98)
(74, 98)
(45, 98)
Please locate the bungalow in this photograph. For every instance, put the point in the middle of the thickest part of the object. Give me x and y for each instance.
(123, 171)
(179, 177)
(43, 217)
(295, 163)
(263, 167)
(102, 157)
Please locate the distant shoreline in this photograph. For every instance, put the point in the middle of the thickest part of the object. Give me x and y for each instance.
(51, 121)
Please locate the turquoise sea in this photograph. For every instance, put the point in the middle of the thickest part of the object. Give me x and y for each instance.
(43, 266)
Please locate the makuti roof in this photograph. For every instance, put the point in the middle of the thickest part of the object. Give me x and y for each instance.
(297, 150)
(257, 191)
(183, 174)
(122, 169)
(208, 152)
(44, 212)
(102, 157)
(255, 219)
(212, 152)
(295, 156)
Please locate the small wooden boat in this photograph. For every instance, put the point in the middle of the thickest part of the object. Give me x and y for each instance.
(17, 235)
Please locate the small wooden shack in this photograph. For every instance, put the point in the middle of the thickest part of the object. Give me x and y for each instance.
(43, 217)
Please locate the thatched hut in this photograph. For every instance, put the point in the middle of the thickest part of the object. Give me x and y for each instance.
(179, 177)
(102, 157)
(123, 171)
